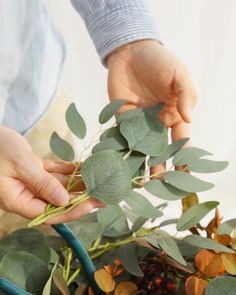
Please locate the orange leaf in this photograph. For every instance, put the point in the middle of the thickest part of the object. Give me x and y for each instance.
(223, 239)
(195, 286)
(104, 280)
(117, 262)
(126, 288)
(213, 224)
(109, 269)
(209, 263)
(229, 261)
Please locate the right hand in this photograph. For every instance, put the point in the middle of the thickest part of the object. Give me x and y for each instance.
(28, 184)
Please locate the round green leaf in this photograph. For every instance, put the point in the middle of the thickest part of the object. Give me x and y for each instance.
(221, 285)
(188, 154)
(111, 143)
(207, 166)
(24, 270)
(75, 122)
(187, 182)
(206, 243)
(61, 148)
(110, 110)
(141, 206)
(145, 133)
(164, 190)
(170, 151)
(135, 161)
(194, 214)
(107, 176)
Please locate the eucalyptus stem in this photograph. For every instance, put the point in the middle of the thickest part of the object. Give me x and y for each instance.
(127, 155)
(56, 211)
(73, 276)
(148, 176)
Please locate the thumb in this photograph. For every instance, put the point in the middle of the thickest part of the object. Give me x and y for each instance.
(44, 185)
(186, 97)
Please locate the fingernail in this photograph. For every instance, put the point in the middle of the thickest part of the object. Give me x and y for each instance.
(60, 197)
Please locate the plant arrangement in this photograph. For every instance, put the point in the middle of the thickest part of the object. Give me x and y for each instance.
(131, 251)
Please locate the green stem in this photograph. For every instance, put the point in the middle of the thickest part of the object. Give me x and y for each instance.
(127, 155)
(73, 276)
(149, 176)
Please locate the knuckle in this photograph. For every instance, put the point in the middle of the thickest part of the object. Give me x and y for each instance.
(42, 184)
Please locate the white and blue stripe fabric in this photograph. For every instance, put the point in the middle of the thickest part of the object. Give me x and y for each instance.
(32, 51)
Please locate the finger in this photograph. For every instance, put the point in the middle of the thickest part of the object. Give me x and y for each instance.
(62, 178)
(186, 97)
(157, 169)
(77, 212)
(180, 130)
(43, 184)
(58, 166)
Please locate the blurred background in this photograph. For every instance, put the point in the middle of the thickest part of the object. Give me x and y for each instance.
(202, 34)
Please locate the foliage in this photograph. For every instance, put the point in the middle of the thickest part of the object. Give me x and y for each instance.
(126, 241)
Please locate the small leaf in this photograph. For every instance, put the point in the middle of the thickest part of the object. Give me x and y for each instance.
(110, 132)
(75, 122)
(110, 110)
(135, 161)
(104, 280)
(170, 151)
(221, 285)
(167, 244)
(126, 288)
(189, 201)
(113, 221)
(194, 214)
(229, 261)
(209, 263)
(145, 133)
(187, 182)
(195, 286)
(168, 222)
(129, 260)
(164, 190)
(111, 143)
(141, 206)
(61, 148)
(207, 243)
(188, 154)
(107, 176)
(60, 282)
(227, 226)
(47, 287)
(139, 222)
(206, 166)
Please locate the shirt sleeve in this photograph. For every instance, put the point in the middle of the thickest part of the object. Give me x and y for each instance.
(114, 23)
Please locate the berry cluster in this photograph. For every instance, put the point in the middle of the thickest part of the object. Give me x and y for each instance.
(156, 280)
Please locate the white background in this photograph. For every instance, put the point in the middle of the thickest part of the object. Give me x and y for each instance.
(203, 35)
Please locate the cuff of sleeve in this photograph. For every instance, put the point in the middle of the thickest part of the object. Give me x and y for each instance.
(121, 23)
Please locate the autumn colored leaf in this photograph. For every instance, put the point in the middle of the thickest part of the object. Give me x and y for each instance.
(126, 288)
(229, 262)
(209, 263)
(213, 224)
(195, 286)
(223, 239)
(233, 244)
(109, 269)
(189, 201)
(104, 280)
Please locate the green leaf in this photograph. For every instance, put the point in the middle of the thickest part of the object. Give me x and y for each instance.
(167, 244)
(135, 161)
(24, 270)
(227, 227)
(61, 148)
(188, 154)
(141, 206)
(106, 176)
(206, 243)
(86, 231)
(111, 143)
(207, 166)
(168, 222)
(170, 151)
(194, 214)
(110, 132)
(187, 182)
(48, 286)
(113, 221)
(129, 260)
(145, 133)
(221, 285)
(75, 122)
(164, 190)
(139, 222)
(110, 110)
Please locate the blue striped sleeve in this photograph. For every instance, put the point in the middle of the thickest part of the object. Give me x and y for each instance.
(114, 23)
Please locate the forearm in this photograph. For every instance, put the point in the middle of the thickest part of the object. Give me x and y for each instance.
(114, 23)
